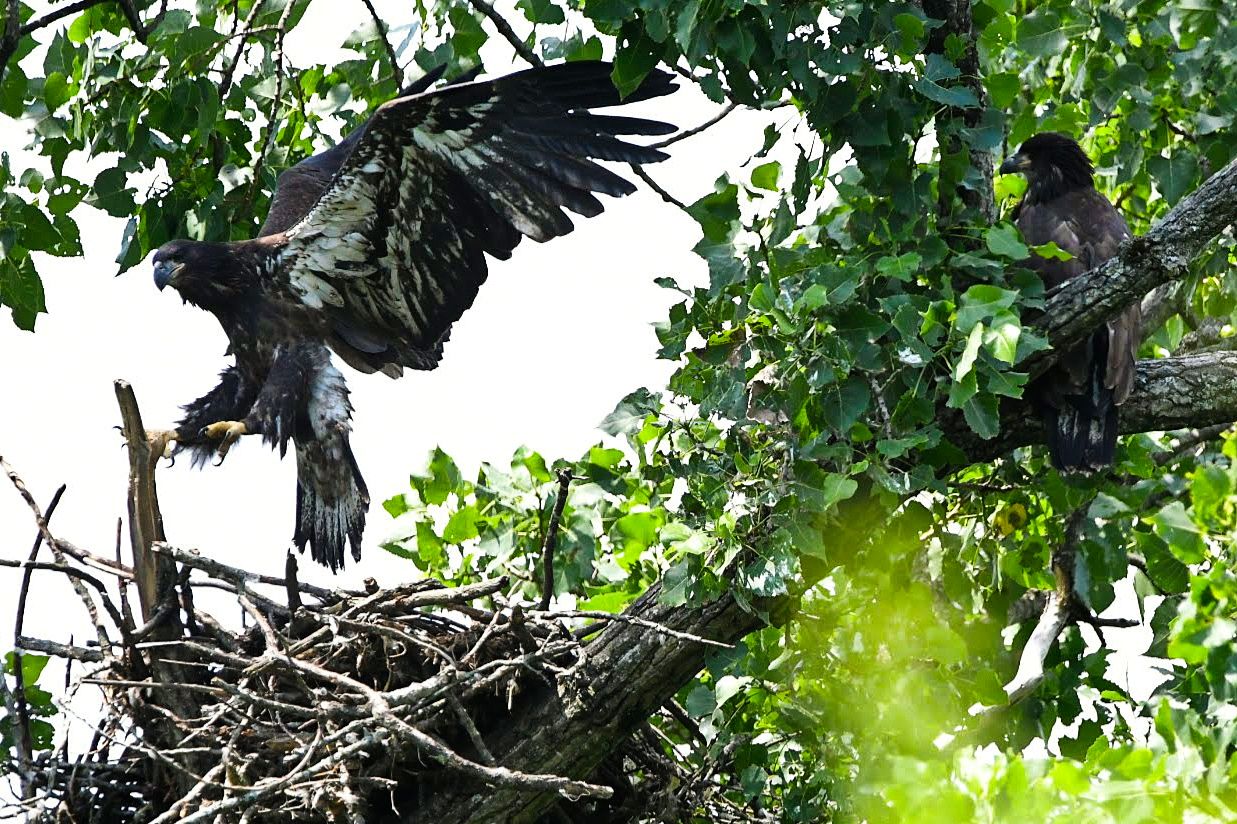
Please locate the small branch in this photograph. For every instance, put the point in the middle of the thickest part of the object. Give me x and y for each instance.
(1159, 305)
(86, 654)
(291, 585)
(1191, 441)
(629, 619)
(241, 577)
(58, 553)
(551, 539)
(135, 21)
(686, 133)
(246, 31)
(25, 750)
(474, 735)
(504, 28)
(656, 187)
(12, 34)
(272, 123)
(382, 34)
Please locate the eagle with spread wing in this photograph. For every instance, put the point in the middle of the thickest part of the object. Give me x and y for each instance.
(1079, 396)
(373, 248)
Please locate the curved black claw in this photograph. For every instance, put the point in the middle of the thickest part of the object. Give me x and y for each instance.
(227, 433)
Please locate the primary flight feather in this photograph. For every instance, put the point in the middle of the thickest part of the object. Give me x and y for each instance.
(375, 247)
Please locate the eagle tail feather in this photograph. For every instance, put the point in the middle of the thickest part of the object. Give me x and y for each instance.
(1082, 432)
(331, 500)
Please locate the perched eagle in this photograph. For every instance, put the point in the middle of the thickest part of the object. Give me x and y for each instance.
(374, 247)
(1079, 396)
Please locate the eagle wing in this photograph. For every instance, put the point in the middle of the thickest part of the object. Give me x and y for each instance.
(393, 250)
(1079, 396)
(299, 187)
(1085, 224)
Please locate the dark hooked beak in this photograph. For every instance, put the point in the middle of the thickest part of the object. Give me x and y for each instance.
(165, 272)
(1014, 164)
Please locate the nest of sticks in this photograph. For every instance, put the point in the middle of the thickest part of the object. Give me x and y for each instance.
(324, 705)
(324, 711)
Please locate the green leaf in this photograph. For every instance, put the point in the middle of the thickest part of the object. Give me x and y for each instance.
(765, 175)
(903, 267)
(1041, 33)
(21, 290)
(1005, 241)
(1174, 175)
(983, 301)
(700, 701)
(462, 525)
(1179, 531)
(958, 97)
(541, 11)
(628, 417)
(967, 361)
(1051, 251)
(111, 194)
(443, 478)
(1002, 336)
(982, 413)
(637, 55)
(1070, 777)
(1003, 87)
(56, 91)
(843, 404)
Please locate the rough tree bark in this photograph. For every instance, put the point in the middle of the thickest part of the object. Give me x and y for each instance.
(975, 191)
(630, 672)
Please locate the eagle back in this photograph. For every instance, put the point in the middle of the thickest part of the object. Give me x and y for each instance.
(1081, 222)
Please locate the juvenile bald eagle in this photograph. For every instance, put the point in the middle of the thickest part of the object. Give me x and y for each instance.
(1079, 396)
(374, 247)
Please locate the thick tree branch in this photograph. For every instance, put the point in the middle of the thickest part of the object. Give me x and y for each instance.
(1161, 256)
(1055, 616)
(1191, 391)
(628, 672)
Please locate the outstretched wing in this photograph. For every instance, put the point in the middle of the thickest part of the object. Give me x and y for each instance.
(393, 252)
(299, 187)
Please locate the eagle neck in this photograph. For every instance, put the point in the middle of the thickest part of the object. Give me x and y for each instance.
(1056, 182)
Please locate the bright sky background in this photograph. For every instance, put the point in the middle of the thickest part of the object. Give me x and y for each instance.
(557, 336)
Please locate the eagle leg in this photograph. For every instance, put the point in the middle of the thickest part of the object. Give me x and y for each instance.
(227, 433)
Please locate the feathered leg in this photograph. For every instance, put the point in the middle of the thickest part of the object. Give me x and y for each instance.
(229, 400)
(305, 400)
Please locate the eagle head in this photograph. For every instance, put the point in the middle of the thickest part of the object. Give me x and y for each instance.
(205, 274)
(1053, 164)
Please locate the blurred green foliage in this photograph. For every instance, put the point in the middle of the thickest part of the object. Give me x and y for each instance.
(852, 299)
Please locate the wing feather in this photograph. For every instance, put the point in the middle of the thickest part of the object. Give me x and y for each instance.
(438, 180)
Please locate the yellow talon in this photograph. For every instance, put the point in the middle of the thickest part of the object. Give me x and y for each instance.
(227, 433)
